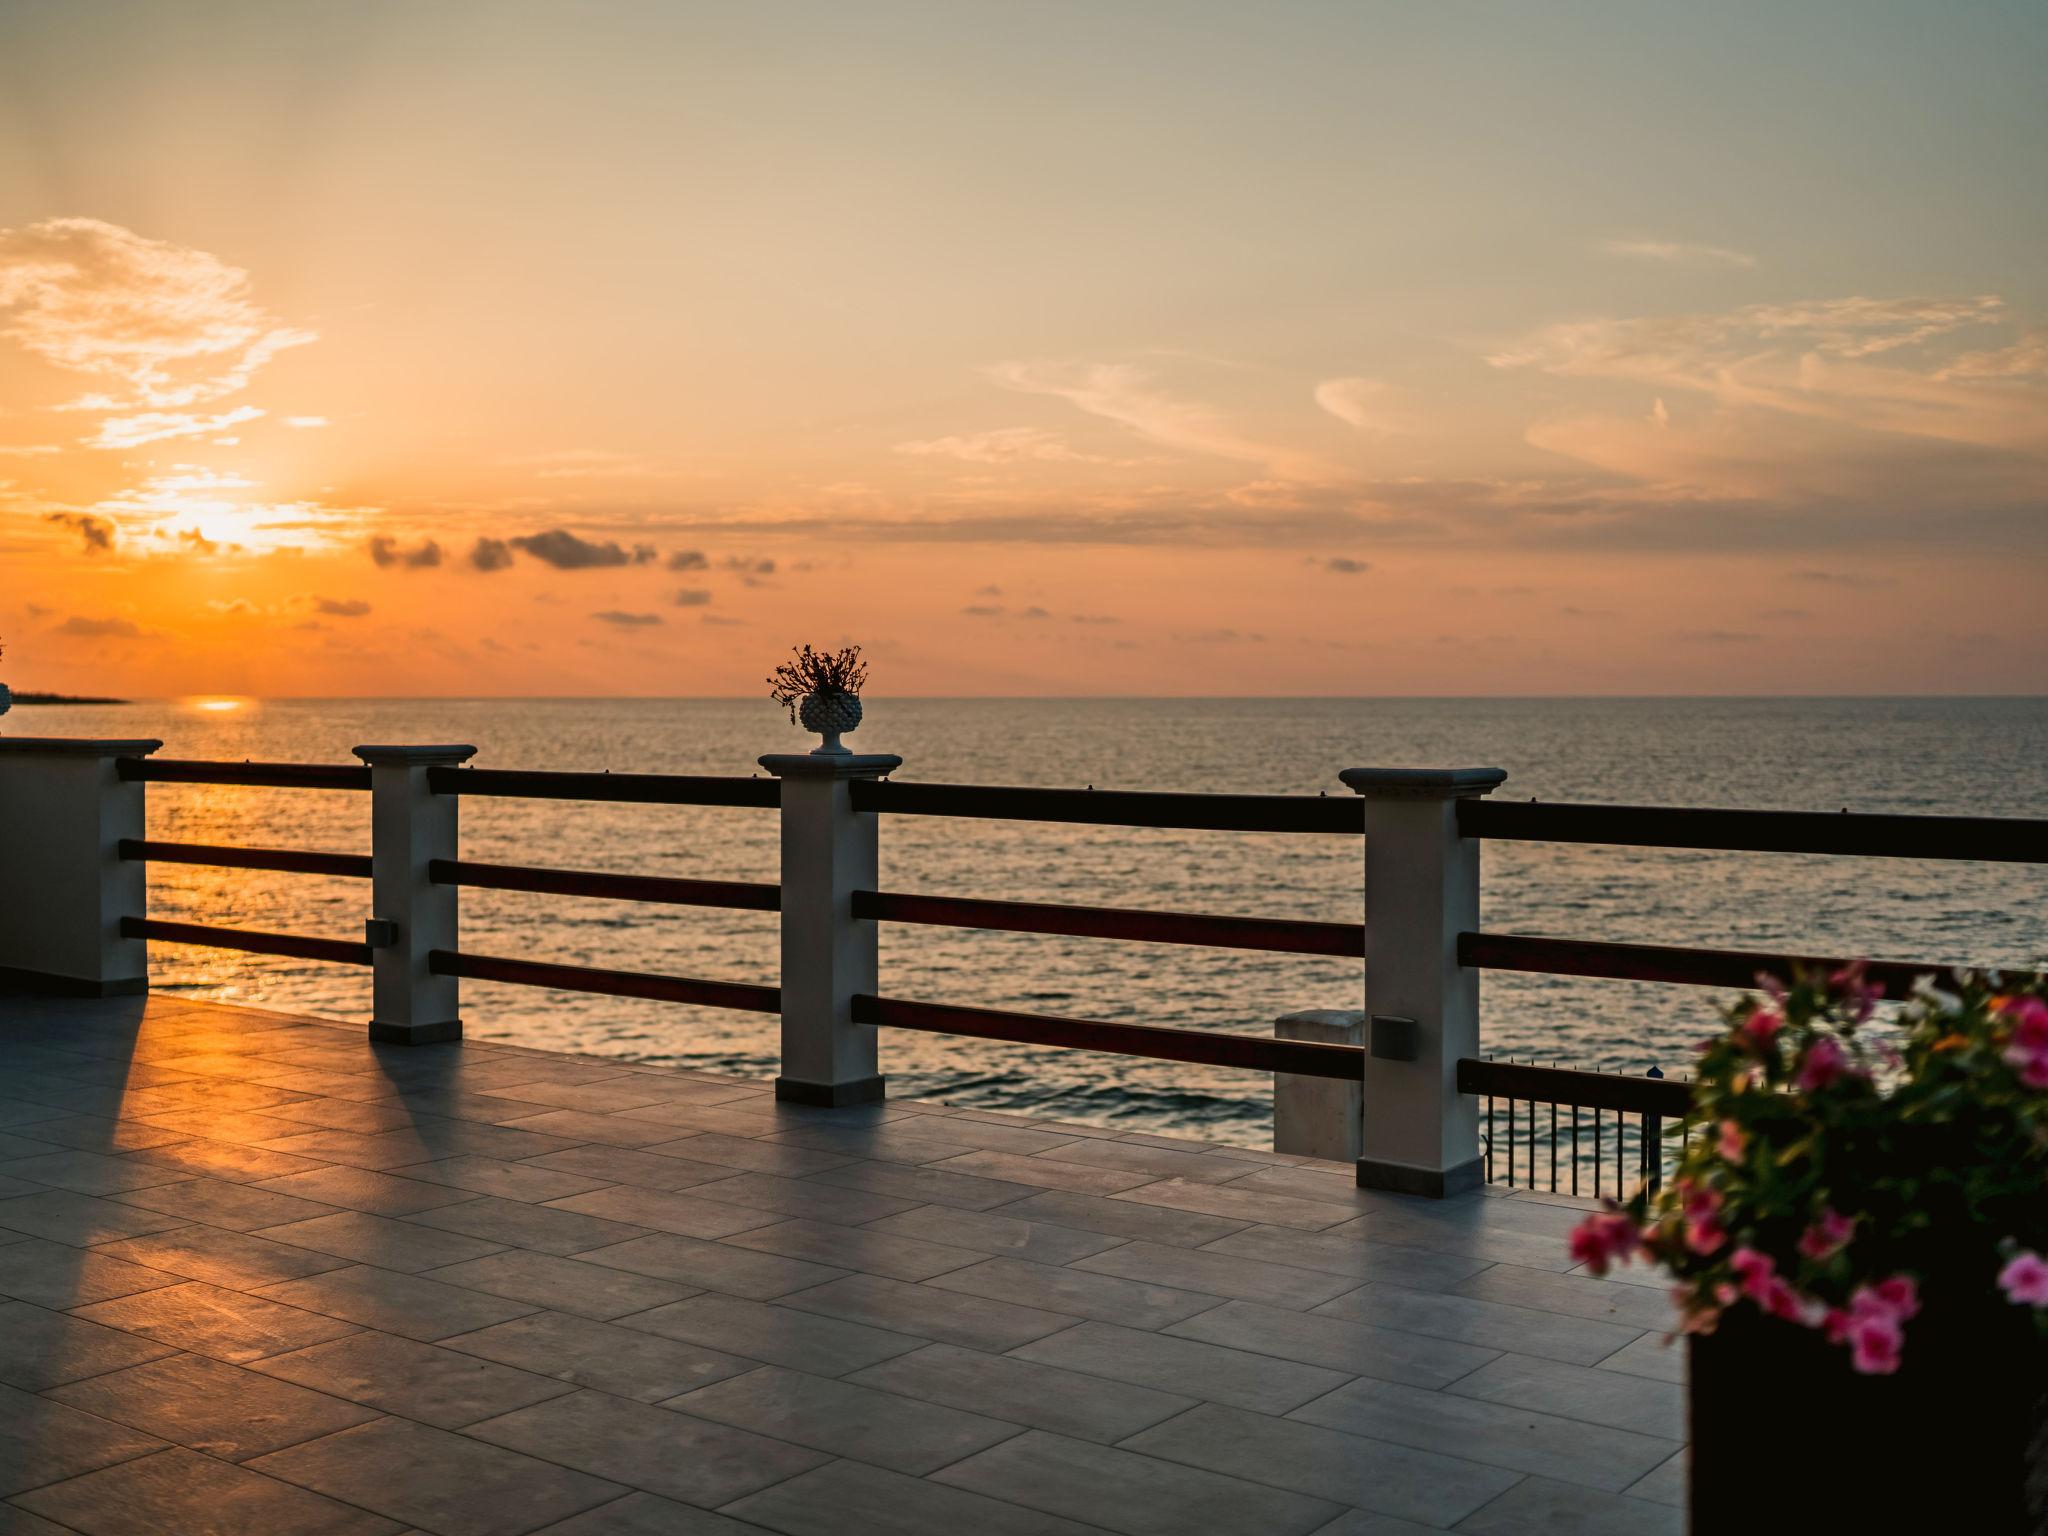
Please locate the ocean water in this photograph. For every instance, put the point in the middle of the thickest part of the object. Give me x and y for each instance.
(1962, 756)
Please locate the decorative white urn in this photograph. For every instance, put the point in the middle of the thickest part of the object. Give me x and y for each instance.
(829, 714)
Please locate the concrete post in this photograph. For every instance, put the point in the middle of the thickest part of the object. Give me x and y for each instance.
(1318, 1116)
(828, 852)
(64, 887)
(1419, 1136)
(410, 825)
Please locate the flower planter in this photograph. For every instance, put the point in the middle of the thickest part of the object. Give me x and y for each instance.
(1786, 1437)
(831, 714)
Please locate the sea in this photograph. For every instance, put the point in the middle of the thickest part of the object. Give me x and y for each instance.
(1968, 756)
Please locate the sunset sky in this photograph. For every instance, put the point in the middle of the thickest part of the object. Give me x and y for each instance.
(1106, 347)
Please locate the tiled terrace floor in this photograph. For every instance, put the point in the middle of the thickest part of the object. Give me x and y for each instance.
(256, 1276)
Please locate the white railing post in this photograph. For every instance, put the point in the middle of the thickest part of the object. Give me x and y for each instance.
(64, 886)
(829, 851)
(410, 825)
(1419, 1135)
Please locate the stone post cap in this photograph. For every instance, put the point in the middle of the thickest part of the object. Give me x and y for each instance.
(1424, 783)
(77, 746)
(402, 757)
(819, 765)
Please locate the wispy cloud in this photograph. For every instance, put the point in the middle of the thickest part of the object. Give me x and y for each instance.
(566, 552)
(386, 551)
(92, 628)
(1004, 445)
(627, 620)
(1676, 253)
(1366, 405)
(96, 533)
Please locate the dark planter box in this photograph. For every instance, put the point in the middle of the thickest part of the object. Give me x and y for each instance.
(1787, 1437)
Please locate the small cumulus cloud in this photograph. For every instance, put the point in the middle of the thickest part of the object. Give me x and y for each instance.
(1096, 618)
(566, 552)
(692, 597)
(341, 607)
(626, 620)
(96, 534)
(1221, 637)
(689, 560)
(1676, 253)
(1717, 637)
(387, 552)
(80, 624)
(488, 554)
(1344, 565)
(983, 610)
(239, 607)
(305, 423)
(1035, 612)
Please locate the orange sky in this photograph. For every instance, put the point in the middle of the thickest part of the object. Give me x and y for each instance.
(496, 350)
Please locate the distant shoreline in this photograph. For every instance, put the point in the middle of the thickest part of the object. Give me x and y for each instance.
(62, 698)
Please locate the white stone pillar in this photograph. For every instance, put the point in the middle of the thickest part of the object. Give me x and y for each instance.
(1318, 1116)
(1419, 1136)
(410, 825)
(829, 851)
(64, 887)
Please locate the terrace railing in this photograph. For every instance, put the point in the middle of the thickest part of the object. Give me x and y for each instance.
(1439, 1115)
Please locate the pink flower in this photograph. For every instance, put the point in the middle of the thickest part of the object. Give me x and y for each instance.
(1762, 1025)
(1705, 1236)
(1874, 1344)
(1823, 1064)
(1604, 1238)
(2030, 1020)
(2025, 1280)
(1732, 1143)
(1860, 995)
(1835, 1323)
(1828, 1236)
(2031, 1062)
(1755, 1272)
(1900, 1295)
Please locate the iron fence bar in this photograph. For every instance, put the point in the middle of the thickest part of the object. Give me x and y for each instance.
(173, 770)
(1329, 815)
(1670, 963)
(291, 861)
(1993, 839)
(298, 946)
(621, 788)
(1283, 935)
(747, 997)
(737, 894)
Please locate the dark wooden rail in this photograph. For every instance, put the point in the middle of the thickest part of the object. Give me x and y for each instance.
(623, 788)
(742, 895)
(1990, 838)
(1658, 1096)
(1343, 815)
(340, 951)
(1669, 963)
(1253, 1053)
(745, 996)
(291, 861)
(172, 770)
(1286, 935)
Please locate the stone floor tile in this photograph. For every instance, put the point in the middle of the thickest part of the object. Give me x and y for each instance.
(1322, 1463)
(688, 1215)
(381, 1240)
(655, 1449)
(745, 1152)
(364, 1189)
(236, 1162)
(1649, 1356)
(858, 1248)
(1488, 1324)
(961, 1191)
(220, 1257)
(562, 1285)
(507, 1181)
(45, 1442)
(1160, 1162)
(183, 1491)
(209, 1320)
(825, 1346)
(205, 1405)
(712, 1266)
(1335, 1253)
(581, 1125)
(431, 1383)
(1518, 1439)
(536, 1228)
(849, 1499)
(1575, 1295)
(1390, 1354)
(804, 1198)
(867, 1425)
(1363, 1522)
(975, 1322)
(1219, 1274)
(41, 1348)
(404, 1304)
(907, 1143)
(219, 1203)
(1044, 1173)
(1186, 1367)
(1121, 1218)
(647, 1514)
(246, 1128)
(80, 1220)
(1459, 1233)
(447, 1483)
(339, 1114)
(15, 1521)
(1129, 1493)
(626, 1165)
(1025, 1392)
(58, 1276)
(87, 1173)
(1235, 1203)
(626, 1362)
(995, 1234)
(1539, 1507)
(1077, 1292)
(1613, 1398)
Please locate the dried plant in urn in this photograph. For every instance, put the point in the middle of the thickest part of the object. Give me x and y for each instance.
(822, 690)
